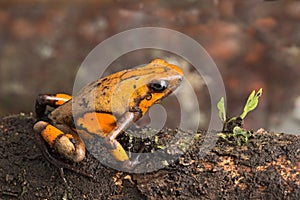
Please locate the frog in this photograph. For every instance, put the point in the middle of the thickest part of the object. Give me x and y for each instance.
(104, 108)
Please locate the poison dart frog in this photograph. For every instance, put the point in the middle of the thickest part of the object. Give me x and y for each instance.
(105, 107)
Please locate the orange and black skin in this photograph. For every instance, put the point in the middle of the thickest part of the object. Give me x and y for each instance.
(53, 100)
(105, 108)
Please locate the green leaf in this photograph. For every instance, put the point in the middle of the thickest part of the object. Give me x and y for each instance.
(197, 136)
(237, 131)
(161, 147)
(223, 136)
(242, 134)
(164, 163)
(246, 138)
(221, 108)
(156, 139)
(252, 102)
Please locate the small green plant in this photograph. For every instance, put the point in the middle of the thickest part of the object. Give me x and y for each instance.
(252, 102)
(239, 134)
(233, 127)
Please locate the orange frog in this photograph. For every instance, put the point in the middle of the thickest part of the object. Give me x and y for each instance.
(104, 108)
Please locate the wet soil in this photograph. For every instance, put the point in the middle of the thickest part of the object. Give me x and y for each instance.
(267, 167)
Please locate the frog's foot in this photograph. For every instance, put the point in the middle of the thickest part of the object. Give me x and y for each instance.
(57, 163)
(131, 164)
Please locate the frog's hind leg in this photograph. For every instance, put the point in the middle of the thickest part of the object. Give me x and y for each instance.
(59, 164)
(66, 142)
(53, 100)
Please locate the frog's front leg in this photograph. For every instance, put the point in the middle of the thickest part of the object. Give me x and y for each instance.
(63, 139)
(117, 150)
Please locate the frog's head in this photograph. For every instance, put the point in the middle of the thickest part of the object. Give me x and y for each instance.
(149, 84)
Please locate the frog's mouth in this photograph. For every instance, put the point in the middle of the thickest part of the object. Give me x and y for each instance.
(157, 91)
(175, 83)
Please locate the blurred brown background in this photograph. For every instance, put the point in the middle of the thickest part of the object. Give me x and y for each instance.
(254, 44)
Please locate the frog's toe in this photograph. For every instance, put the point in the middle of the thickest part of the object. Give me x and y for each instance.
(39, 126)
(131, 164)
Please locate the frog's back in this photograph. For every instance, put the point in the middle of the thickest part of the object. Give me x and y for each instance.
(95, 96)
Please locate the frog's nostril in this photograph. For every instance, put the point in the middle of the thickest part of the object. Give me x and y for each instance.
(179, 78)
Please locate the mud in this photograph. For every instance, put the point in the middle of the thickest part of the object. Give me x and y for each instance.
(267, 167)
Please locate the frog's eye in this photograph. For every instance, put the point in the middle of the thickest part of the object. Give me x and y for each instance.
(158, 86)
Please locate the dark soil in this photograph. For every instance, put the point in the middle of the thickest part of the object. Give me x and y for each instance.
(267, 167)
